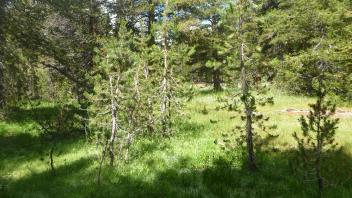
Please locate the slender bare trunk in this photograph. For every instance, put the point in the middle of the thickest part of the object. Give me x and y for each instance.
(151, 20)
(2, 45)
(246, 100)
(216, 71)
(118, 17)
(150, 121)
(151, 41)
(129, 141)
(216, 80)
(319, 149)
(248, 111)
(51, 157)
(113, 121)
(137, 86)
(165, 114)
(318, 170)
(93, 21)
(131, 119)
(93, 18)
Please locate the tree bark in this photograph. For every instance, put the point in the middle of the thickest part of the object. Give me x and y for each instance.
(246, 100)
(118, 17)
(151, 20)
(165, 114)
(150, 108)
(216, 71)
(318, 170)
(129, 140)
(217, 80)
(93, 31)
(2, 44)
(34, 88)
(93, 18)
(319, 145)
(113, 122)
(151, 41)
(132, 116)
(249, 113)
(51, 157)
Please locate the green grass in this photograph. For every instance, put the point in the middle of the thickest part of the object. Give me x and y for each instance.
(189, 164)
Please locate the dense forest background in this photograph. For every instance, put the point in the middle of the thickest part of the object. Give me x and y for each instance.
(175, 98)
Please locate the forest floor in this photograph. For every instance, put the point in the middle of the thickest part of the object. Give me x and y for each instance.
(188, 164)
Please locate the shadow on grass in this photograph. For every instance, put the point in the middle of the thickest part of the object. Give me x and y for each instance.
(38, 113)
(22, 139)
(17, 149)
(221, 178)
(22, 115)
(47, 184)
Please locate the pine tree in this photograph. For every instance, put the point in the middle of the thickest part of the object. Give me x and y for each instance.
(318, 128)
(241, 47)
(208, 14)
(176, 56)
(111, 92)
(291, 29)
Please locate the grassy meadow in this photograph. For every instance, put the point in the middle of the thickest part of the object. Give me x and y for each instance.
(188, 164)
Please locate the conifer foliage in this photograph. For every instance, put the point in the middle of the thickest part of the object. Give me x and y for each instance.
(241, 25)
(318, 129)
(118, 73)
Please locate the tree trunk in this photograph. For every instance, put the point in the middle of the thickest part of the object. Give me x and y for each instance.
(216, 80)
(150, 108)
(216, 71)
(113, 122)
(132, 116)
(249, 114)
(2, 44)
(93, 31)
(34, 88)
(165, 114)
(247, 102)
(93, 18)
(319, 146)
(118, 17)
(51, 158)
(318, 170)
(151, 20)
(129, 142)
(249, 139)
